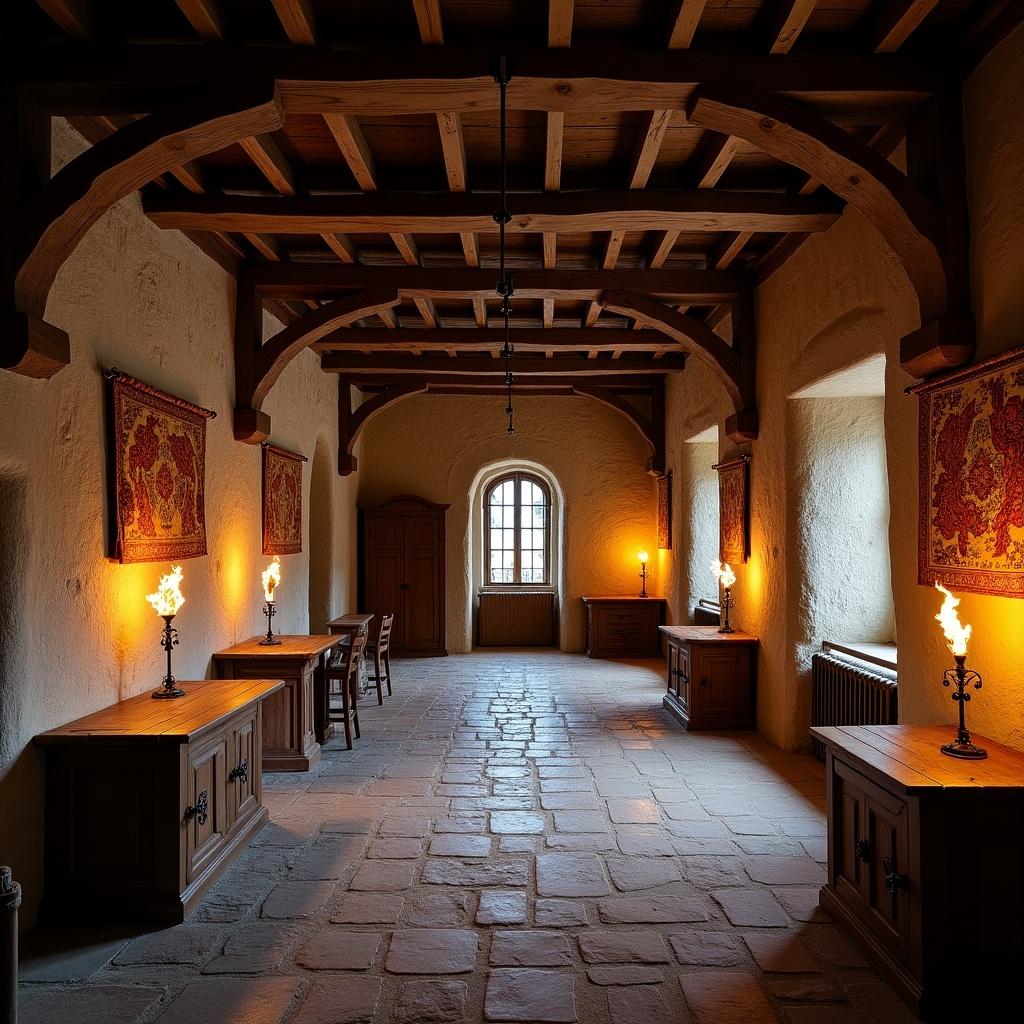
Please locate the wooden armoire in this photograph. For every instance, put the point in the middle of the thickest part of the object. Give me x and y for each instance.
(403, 571)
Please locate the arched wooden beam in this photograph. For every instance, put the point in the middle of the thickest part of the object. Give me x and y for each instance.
(696, 338)
(258, 367)
(847, 166)
(351, 426)
(56, 218)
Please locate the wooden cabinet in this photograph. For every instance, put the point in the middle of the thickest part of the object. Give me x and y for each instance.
(711, 678)
(147, 802)
(924, 857)
(291, 726)
(403, 572)
(624, 627)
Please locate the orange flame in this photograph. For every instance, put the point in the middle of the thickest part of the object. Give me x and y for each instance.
(642, 555)
(948, 617)
(168, 597)
(723, 571)
(271, 577)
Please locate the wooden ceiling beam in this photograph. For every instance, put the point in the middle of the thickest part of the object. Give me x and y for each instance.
(684, 23)
(205, 17)
(75, 17)
(297, 20)
(272, 163)
(648, 146)
(892, 22)
(428, 20)
(601, 210)
(325, 280)
(849, 168)
(560, 14)
(387, 365)
(715, 160)
(87, 78)
(484, 339)
(788, 21)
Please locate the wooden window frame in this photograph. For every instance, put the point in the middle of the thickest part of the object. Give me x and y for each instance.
(517, 478)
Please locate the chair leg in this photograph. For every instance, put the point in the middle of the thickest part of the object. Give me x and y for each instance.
(345, 712)
(377, 678)
(355, 703)
(387, 666)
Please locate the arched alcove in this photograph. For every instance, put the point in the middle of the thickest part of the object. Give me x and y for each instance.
(321, 537)
(477, 525)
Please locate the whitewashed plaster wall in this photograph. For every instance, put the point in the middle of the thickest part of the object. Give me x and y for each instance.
(434, 446)
(76, 633)
(841, 299)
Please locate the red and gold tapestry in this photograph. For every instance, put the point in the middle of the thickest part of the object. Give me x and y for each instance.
(734, 510)
(971, 503)
(160, 471)
(282, 501)
(665, 511)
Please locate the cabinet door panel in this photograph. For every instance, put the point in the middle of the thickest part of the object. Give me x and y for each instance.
(245, 769)
(887, 889)
(851, 832)
(204, 817)
(385, 572)
(720, 691)
(679, 679)
(423, 567)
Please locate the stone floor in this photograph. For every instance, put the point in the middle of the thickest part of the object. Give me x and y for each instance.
(518, 836)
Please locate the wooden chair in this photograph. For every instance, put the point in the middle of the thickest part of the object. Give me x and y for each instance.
(380, 648)
(344, 669)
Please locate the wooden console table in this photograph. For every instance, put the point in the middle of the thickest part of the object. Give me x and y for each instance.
(624, 627)
(290, 720)
(924, 864)
(711, 678)
(148, 801)
(351, 624)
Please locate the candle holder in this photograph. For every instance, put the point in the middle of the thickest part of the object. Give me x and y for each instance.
(725, 627)
(269, 640)
(961, 678)
(168, 641)
(643, 574)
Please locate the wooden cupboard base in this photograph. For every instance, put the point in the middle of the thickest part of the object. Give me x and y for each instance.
(287, 761)
(677, 709)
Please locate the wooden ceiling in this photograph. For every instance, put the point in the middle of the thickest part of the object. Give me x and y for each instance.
(380, 175)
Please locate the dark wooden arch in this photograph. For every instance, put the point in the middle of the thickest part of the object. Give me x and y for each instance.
(259, 366)
(913, 226)
(54, 220)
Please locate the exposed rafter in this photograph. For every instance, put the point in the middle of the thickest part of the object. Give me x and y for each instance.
(487, 339)
(404, 365)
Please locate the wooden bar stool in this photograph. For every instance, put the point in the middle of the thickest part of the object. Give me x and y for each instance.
(380, 648)
(344, 669)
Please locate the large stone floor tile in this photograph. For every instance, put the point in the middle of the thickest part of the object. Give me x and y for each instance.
(340, 1001)
(570, 874)
(432, 951)
(530, 995)
(233, 1001)
(86, 1004)
(726, 997)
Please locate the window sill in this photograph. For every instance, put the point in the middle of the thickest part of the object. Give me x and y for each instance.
(883, 655)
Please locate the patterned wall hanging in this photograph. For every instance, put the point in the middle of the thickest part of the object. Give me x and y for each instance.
(971, 498)
(734, 509)
(282, 501)
(665, 511)
(159, 445)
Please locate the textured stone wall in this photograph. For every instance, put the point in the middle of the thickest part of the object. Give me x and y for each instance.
(842, 299)
(76, 633)
(435, 446)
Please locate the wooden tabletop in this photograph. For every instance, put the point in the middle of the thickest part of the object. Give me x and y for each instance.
(707, 634)
(910, 755)
(291, 646)
(587, 599)
(351, 620)
(205, 704)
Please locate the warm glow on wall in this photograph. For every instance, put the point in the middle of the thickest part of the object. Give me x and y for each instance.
(234, 567)
(129, 584)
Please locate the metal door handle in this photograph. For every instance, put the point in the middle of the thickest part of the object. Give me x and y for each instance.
(862, 850)
(893, 881)
(199, 809)
(241, 772)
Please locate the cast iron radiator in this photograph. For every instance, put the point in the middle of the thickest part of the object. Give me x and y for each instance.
(845, 692)
(707, 613)
(517, 619)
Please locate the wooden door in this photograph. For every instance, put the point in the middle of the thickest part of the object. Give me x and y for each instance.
(723, 690)
(385, 572)
(423, 585)
(886, 892)
(204, 817)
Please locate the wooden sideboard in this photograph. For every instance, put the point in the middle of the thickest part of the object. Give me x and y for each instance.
(624, 627)
(924, 864)
(712, 680)
(290, 718)
(148, 801)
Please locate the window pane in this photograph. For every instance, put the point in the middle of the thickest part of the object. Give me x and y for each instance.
(526, 539)
(538, 515)
(508, 493)
(496, 515)
(495, 540)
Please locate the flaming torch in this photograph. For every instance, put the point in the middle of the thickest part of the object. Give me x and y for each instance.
(726, 578)
(166, 601)
(957, 636)
(271, 577)
(642, 555)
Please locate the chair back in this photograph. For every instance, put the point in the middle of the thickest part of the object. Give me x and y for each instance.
(384, 633)
(345, 658)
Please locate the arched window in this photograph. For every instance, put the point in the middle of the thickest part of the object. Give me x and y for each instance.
(517, 541)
